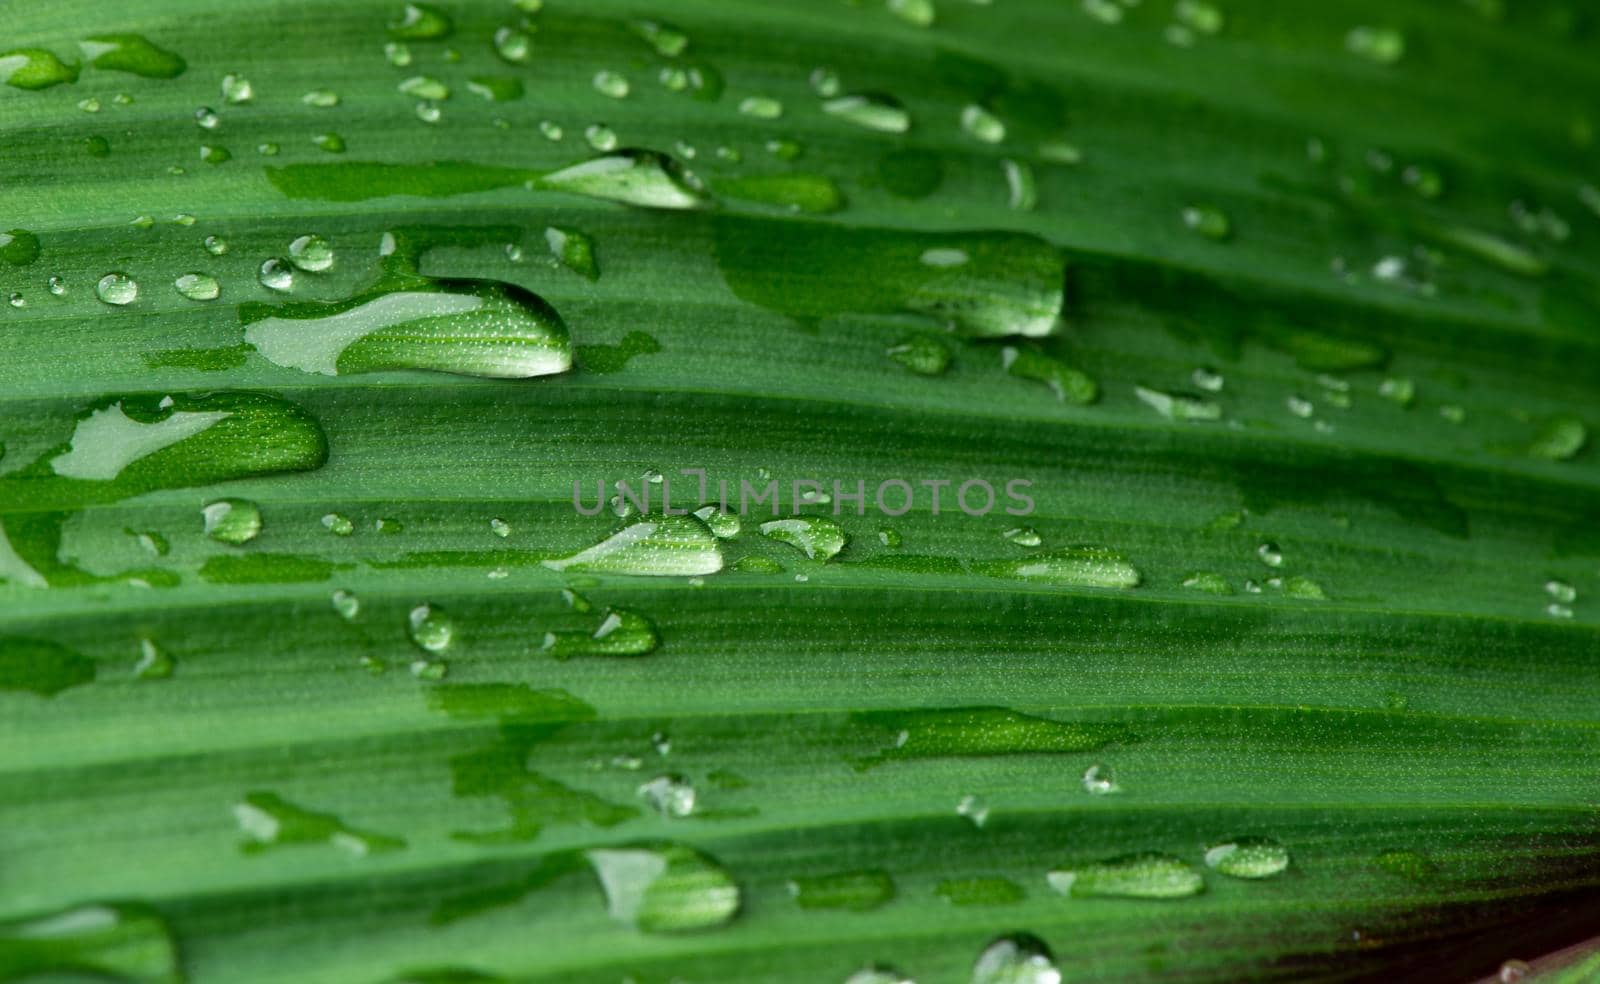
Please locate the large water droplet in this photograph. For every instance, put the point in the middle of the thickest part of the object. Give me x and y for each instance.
(311, 253)
(668, 546)
(632, 177)
(469, 327)
(1018, 958)
(819, 537)
(1148, 875)
(665, 888)
(132, 53)
(129, 943)
(1082, 566)
(34, 69)
(857, 891)
(1248, 857)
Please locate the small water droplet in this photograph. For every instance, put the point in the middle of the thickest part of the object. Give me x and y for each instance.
(117, 289)
(346, 604)
(974, 808)
(1209, 221)
(276, 274)
(311, 253)
(215, 245)
(421, 22)
(1023, 536)
(1098, 780)
(513, 44)
(613, 84)
(1248, 857)
(338, 525)
(1379, 45)
(1270, 554)
(430, 629)
(983, 125)
(761, 107)
(154, 663)
(198, 286)
(1561, 591)
(232, 521)
(670, 795)
(871, 111)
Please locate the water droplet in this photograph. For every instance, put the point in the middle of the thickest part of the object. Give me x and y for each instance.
(1018, 958)
(1400, 390)
(857, 891)
(130, 943)
(1147, 875)
(1022, 193)
(1380, 45)
(1178, 406)
(1270, 554)
(232, 521)
(398, 54)
(470, 327)
(1209, 221)
(761, 107)
(154, 663)
(825, 82)
(330, 142)
(1098, 780)
(983, 125)
(206, 118)
(871, 111)
(117, 289)
(1207, 379)
(613, 84)
(878, 974)
(668, 41)
(552, 131)
(1068, 384)
(600, 137)
(17, 300)
(311, 253)
(619, 633)
(974, 808)
(431, 629)
(1208, 582)
(268, 820)
(1248, 857)
(1023, 536)
(421, 22)
(1561, 591)
(665, 888)
(1198, 15)
(132, 53)
(34, 69)
(1082, 566)
(1560, 439)
(819, 537)
(670, 795)
(1514, 972)
(58, 286)
(723, 525)
(573, 250)
(921, 353)
(918, 12)
(669, 546)
(1104, 11)
(633, 177)
(346, 604)
(1300, 406)
(276, 274)
(338, 525)
(198, 286)
(513, 44)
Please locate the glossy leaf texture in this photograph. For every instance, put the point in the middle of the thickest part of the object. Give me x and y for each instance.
(321, 658)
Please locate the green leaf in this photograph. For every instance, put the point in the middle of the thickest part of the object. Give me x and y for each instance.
(829, 491)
